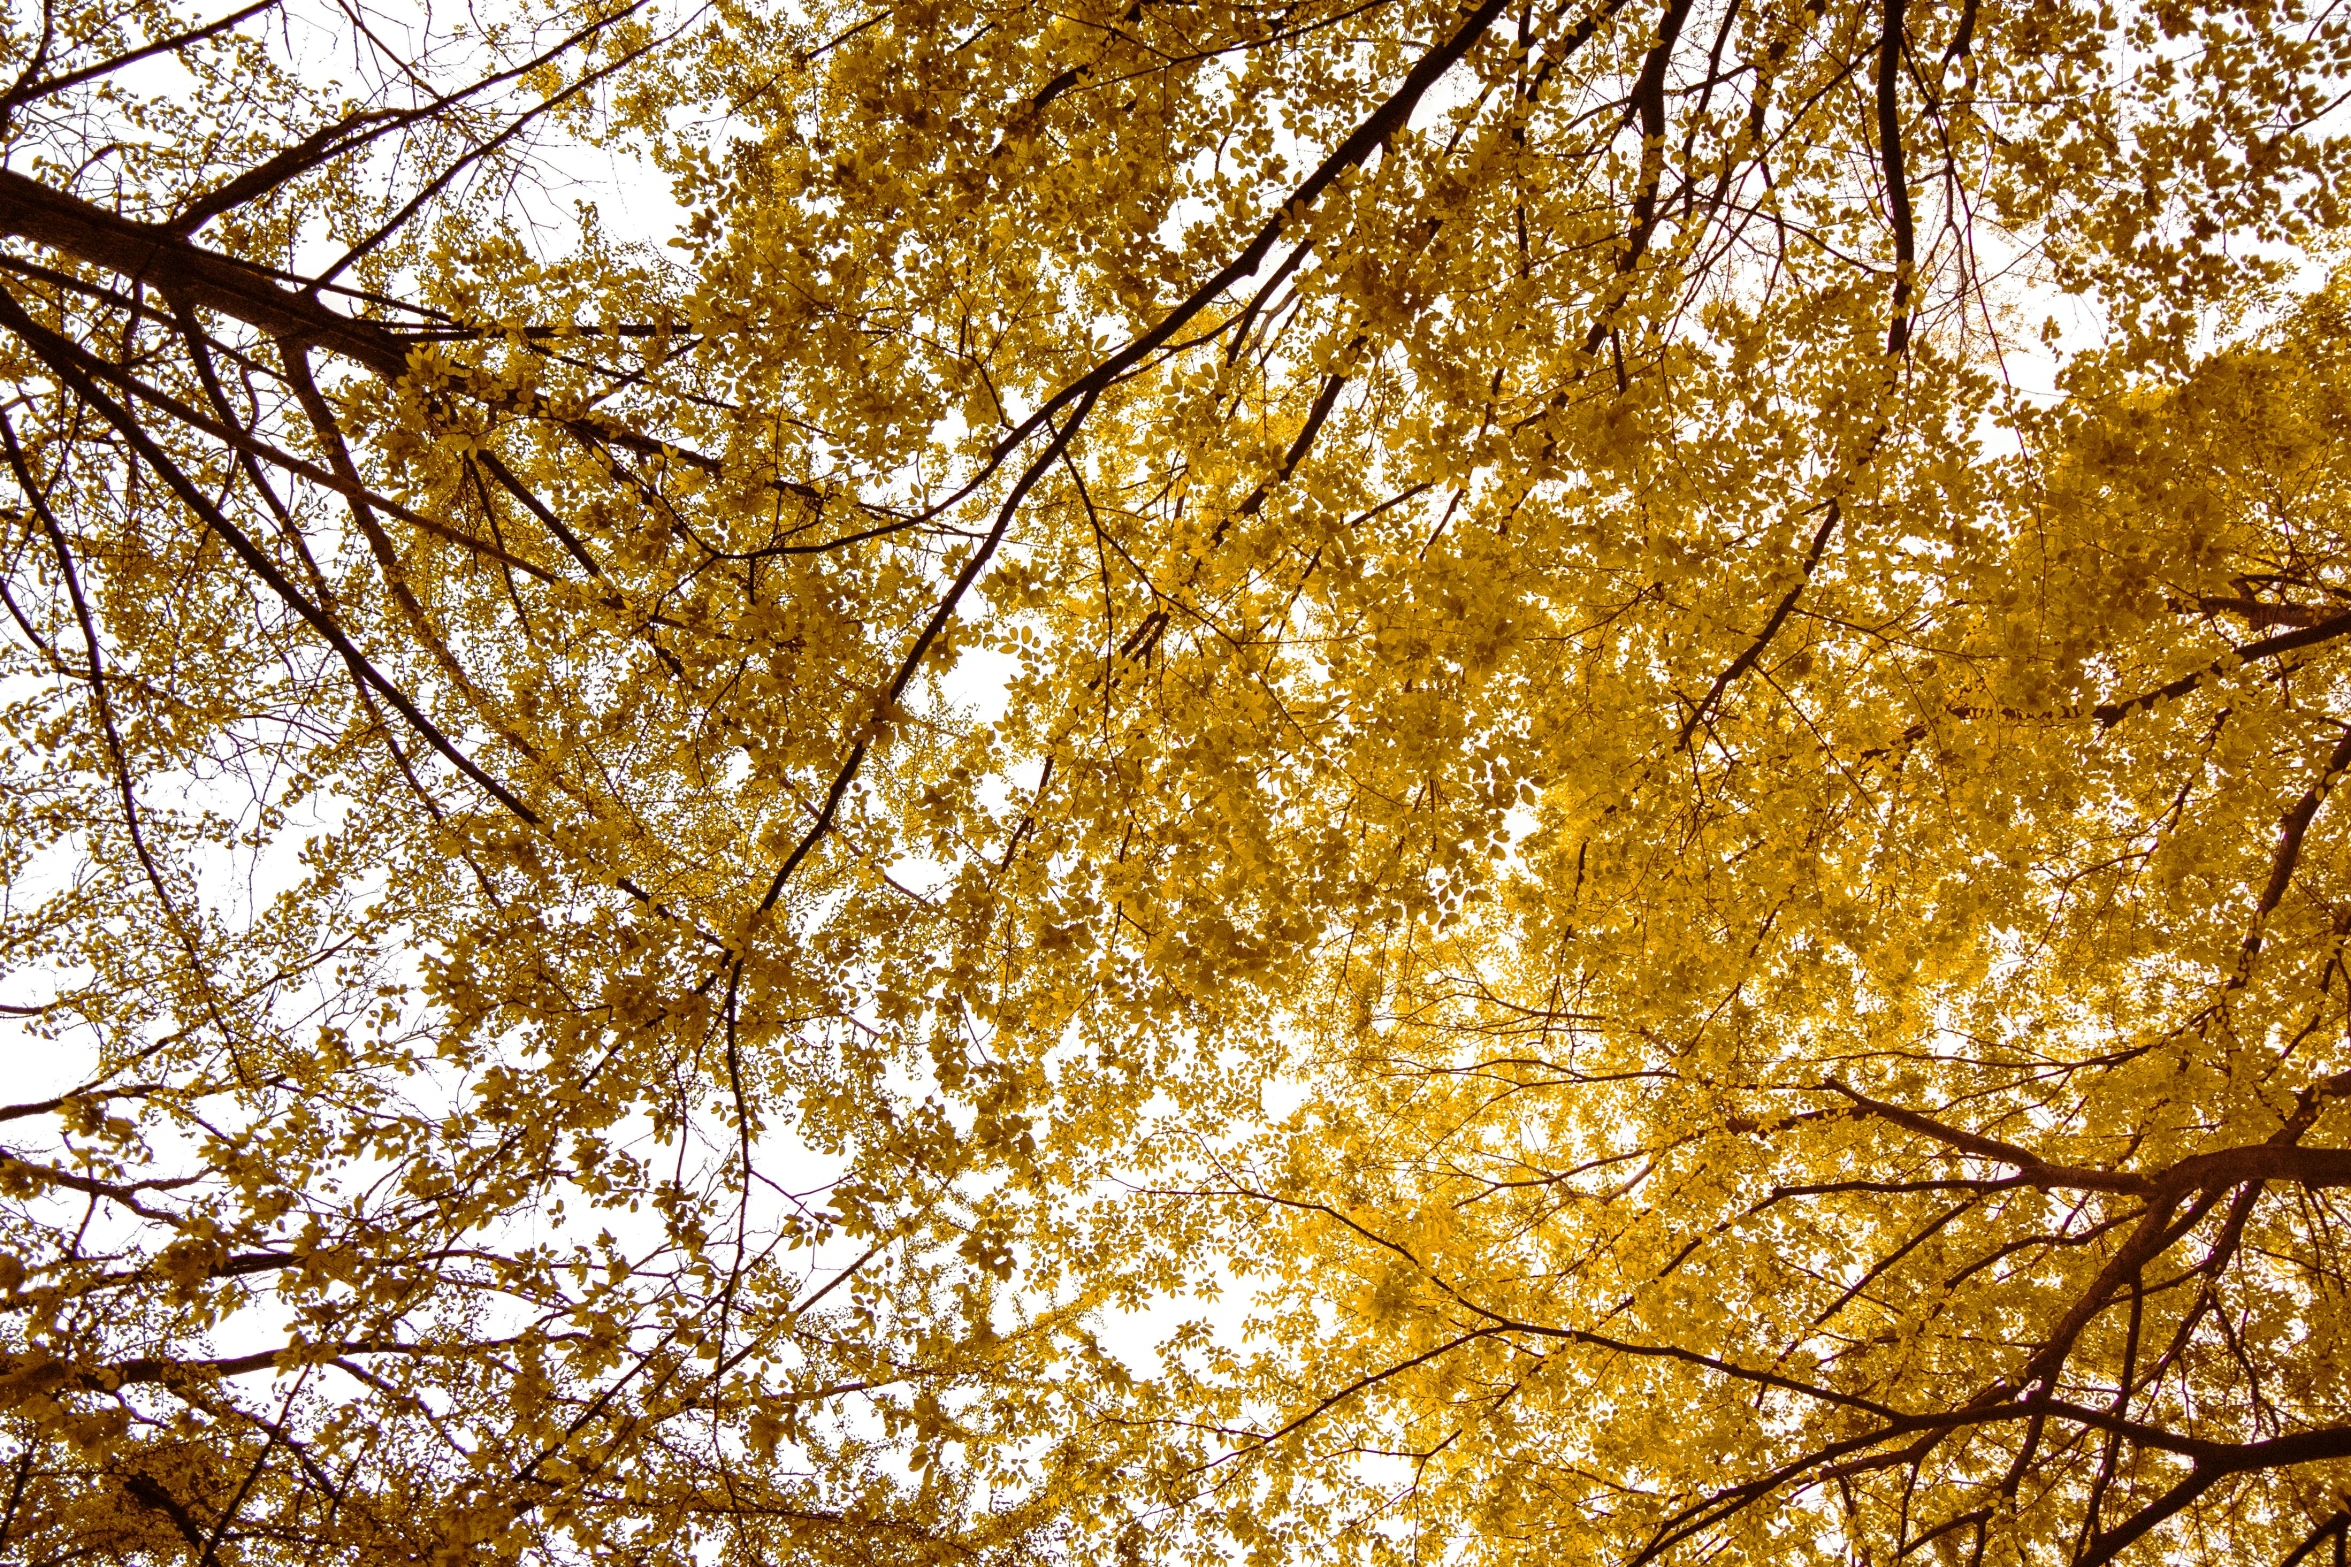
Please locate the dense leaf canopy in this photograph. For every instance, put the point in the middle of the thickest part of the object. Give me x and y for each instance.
(1174, 782)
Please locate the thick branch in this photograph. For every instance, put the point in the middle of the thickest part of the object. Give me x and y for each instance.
(2272, 1161)
(1897, 179)
(154, 255)
(2112, 713)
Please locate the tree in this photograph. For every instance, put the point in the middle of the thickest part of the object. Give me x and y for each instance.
(373, 841)
(496, 755)
(1901, 1106)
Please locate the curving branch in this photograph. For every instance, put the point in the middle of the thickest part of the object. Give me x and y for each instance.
(1771, 628)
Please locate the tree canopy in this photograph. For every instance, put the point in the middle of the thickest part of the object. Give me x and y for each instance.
(1174, 782)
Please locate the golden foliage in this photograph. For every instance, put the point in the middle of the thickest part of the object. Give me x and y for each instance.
(656, 877)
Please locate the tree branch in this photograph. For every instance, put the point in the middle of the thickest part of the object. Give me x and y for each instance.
(2111, 713)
